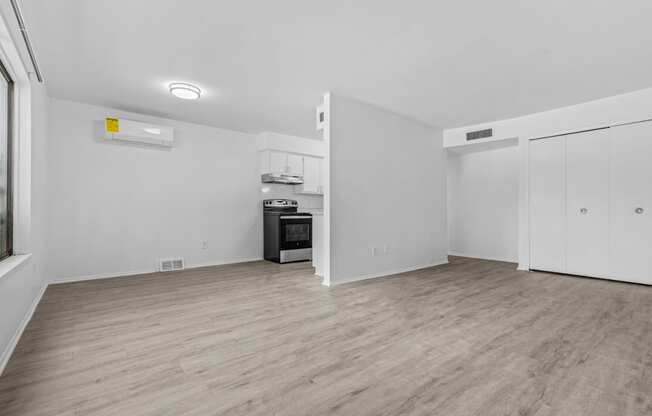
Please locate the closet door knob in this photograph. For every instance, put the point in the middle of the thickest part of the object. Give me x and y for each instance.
(584, 211)
(639, 210)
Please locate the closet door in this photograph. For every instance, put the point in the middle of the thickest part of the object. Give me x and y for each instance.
(587, 203)
(548, 204)
(631, 203)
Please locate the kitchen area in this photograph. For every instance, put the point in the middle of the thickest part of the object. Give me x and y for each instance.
(291, 198)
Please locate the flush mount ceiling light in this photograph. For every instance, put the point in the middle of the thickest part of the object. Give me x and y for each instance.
(185, 91)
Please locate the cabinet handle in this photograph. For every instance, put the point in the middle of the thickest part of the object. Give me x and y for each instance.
(639, 210)
(584, 211)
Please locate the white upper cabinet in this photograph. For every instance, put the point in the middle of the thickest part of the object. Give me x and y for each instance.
(278, 162)
(312, 177)
(630, 201)
(308, 167)
(294, 164)
(281, 162)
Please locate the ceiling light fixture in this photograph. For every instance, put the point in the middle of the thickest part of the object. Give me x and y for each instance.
(185, 91)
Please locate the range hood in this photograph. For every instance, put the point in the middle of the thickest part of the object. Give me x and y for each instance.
(281, 178)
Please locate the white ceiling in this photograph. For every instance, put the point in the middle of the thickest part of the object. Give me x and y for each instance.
(265, 64)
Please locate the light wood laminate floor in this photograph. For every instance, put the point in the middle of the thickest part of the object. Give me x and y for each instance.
(472, 337)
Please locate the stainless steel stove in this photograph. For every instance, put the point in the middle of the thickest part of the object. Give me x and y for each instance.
(287, 232)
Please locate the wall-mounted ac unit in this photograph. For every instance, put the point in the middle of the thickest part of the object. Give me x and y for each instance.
(138, 132)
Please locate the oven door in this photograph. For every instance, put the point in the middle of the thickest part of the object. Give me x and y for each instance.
(296, 232)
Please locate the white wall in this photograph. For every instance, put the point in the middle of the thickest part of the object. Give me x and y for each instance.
(635, 106)
(117, 208)
(306, 202)
(387, 188)
(286, 143)
(22, 287)
(482, 201)
(40, 204)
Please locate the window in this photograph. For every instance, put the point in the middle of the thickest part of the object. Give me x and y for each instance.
(6, 217)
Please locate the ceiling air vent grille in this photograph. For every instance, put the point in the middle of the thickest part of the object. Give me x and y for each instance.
(168, 265)
(479, 134)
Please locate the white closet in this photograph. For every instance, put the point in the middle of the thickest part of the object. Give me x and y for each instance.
(587, 203)
(630, 201)
(590, 203)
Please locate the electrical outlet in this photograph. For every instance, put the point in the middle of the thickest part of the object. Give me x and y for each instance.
(373, 251)
(385, 248)
(204, 245)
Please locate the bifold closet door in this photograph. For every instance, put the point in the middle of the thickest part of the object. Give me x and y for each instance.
(547, 191)
(631, 203)
(587, 203)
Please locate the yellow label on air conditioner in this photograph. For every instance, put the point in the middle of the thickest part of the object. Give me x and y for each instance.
(112, 125)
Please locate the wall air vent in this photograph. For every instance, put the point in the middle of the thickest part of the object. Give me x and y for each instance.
(168, 265)
(479, 134)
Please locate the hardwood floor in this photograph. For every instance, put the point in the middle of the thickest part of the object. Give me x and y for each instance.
(470, 338)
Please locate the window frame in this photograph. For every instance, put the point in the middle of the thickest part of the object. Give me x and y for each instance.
(26, 93)
(10, 162)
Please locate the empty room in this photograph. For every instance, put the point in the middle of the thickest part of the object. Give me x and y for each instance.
(342, 208)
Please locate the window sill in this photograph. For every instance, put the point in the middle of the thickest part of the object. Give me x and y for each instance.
(10, 263)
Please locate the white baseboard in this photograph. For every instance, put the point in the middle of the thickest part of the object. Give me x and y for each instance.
(9, 350)
(222, 263)
(98, 276)
(387, 273)
(475, 256)
(149, 271)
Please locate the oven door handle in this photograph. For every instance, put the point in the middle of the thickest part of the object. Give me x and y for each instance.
(296, 217)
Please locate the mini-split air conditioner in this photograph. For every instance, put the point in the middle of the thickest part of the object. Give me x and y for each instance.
(138, 132)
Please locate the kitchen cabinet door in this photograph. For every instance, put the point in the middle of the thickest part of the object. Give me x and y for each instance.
(587, 203)
(631, 203)
(278, 162)
(310, 174)
(294, 165)
(548, 204)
